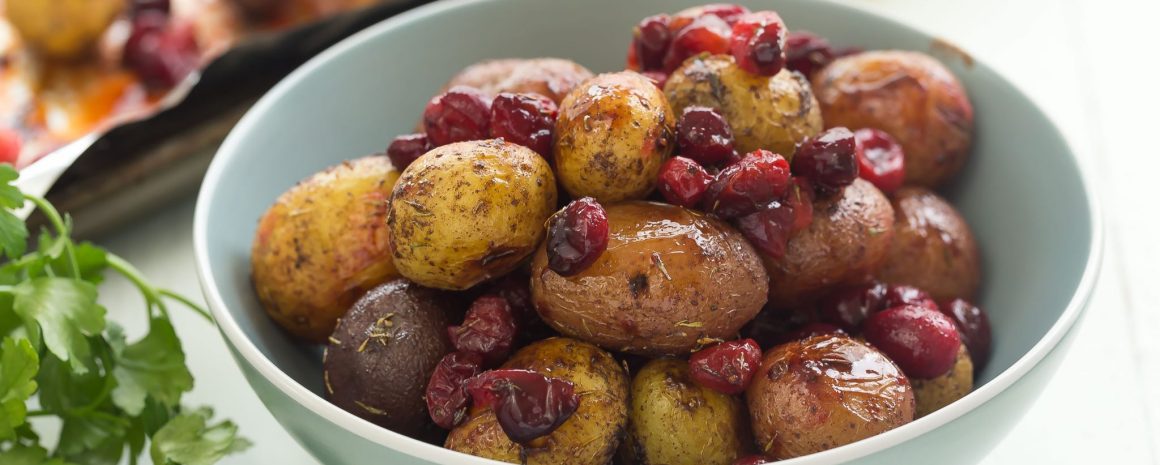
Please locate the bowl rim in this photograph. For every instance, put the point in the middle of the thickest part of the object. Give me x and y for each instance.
(244, 347)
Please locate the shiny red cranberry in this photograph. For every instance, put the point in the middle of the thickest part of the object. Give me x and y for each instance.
(848, 307)
(683, 182)
(726, 367)
(758, 43)
(747, 186)
(707, 33)
(10, 143)
(704, 135)
(658, 78)
(651, 39)
(726, 11)
(488, 330)
(515, 288)
(527, 404)
(923, 342)
(462, 113)
(447, 389)
(897, 295)
(806, 52)
(974, 329)
(880, 159)
(768, 229)
(407, 148)
(577, 236)
(828, 159)
(524, 119)
(752, 460)
(161, 53)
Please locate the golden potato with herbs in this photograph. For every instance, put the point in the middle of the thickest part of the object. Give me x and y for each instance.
(469, 211)
(933, 394)
(612, 135)
(323, 244)
(589, 437)
(933, 247)
(550, 77)
(675, 421)
(765, 112)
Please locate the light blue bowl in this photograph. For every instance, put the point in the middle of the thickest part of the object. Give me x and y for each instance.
(1022, 191)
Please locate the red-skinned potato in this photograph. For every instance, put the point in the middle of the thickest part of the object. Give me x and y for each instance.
(933, 248)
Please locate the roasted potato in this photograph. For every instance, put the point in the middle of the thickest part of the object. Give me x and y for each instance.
(593, 433)
(612, 135)
(933, 247)
(847, 240)
(909, 95)
(675, 421)
(550, 77)
(772, 113)
(322, 245)
(933, 394)
(383, 351)
(670, 278)
(470, 211)
(61, 28)
(823, 392)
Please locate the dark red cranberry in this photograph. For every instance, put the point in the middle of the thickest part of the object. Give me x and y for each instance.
(705, 34)
(747, 186)
(651, 39)
(577, 236)
(10, 143)
(726, 367)
(705, 136)
(813, 329)
(806, 52)
(488, 330)
(848, 307)
(769, 328)
(161, 53)
(726, 11)
(752, 460)
(658, 78)
(923, 342)
(758, 43)
(524, 119)
(407, 148)
(974, 329)
(632, 61)
(515, 287)
(828, 159)
(527, 404)
(683, 182)
(460, 114)
(897, 295)
(769, 229)
(880, 159)
(447, 389)
(800, 198)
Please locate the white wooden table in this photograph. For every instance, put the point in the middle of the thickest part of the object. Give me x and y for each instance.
(1090, 64)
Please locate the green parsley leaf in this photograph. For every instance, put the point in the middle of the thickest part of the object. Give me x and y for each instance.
(186, 440)
(10, 196)
(93, 439)
(18, 366)
(67, 312)
(13, 232)
(153, 366)
(24, 455)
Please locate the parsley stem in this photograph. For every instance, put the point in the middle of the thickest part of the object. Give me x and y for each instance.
(62, 231)
(188, 303)
(152, 297)
(38, 413)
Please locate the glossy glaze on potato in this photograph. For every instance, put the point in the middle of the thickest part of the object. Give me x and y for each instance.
(550, 77)
(909, 95)
(323, 244)
(933, 247)
(933, 394)
(823, 392)
(846, 241)
(671, 277)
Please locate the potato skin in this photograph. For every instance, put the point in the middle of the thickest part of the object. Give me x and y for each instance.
(323, 244)
(933, 247)
(612, 135)
(846, 241)
(909, 95)
(772, 113)
(590, 437)
(933, 394)
(823, 392)
(675, 421)
(669, 278)
(550, 77)
(470, 211)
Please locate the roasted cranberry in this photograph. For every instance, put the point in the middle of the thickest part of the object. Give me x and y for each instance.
(726, 367)
(768, 229)
(828, 159)
(10, 143)
(651, 39)
(806, 52)
(769, 328)
(800, 198)
(577, 235)
(726, 11)
(407, 148)
(524, 119)
(751, 460)
(704, 135)
(632, 61)
(705, 34)
(527, 404)
(848, 307)
(880, 159)
(162, 54)
(460, 114)
(813, 329)
(974, 329)
(897, 295)
(744, 187)
(923, 342)
(758, 43)
(447, 389)
(488, 330)
(683, 182)
(658, 78)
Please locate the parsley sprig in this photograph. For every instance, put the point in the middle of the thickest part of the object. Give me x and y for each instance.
(60, 357)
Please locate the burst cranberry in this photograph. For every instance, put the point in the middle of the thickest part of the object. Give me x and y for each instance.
(514, 287)
(488, 330)
(758, 43)
(726, 367)
(806, 52)
(748, 185)
(705, 136)
(525, 119)
(897, 295)
(726, 11)
(161, 53)
(849, 307)
(460, 114)
(811, 330)
(527, 404)
(752, 460)
(974, 329)
(651, 39)
(406, 148)
(577, 235)
(923, 342)
(683, 182)
(705, 34)
(768, 229)
(880, 159)
(658, 78)
(10, 143)
(447, 392)
(800, 198)
(828, 159)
